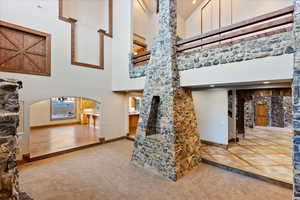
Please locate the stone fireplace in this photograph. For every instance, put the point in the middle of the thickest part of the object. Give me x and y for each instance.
(167, 140)
(9, 121)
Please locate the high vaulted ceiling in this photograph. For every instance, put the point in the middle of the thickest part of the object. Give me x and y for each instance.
(185, 7)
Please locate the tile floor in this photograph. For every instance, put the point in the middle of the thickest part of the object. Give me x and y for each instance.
(265, 151)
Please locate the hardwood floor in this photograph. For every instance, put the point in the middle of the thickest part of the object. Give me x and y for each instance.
(52, 139)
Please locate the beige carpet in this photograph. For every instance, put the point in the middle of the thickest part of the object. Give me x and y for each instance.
(105, 173)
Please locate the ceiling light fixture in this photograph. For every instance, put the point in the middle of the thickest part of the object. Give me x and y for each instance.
(212, 86)
(194, 1)
(267, 82)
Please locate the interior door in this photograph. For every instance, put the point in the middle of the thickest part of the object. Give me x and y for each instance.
(261, 115)
(133, 123)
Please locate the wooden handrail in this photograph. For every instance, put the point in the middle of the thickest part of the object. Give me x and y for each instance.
(261, 27)
(142, 59)
(139, 43)
(146, 53)
(242, 24)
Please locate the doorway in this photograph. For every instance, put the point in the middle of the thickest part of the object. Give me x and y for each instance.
(133, 115)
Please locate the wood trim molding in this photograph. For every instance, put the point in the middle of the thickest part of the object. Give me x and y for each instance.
(242, 24)
(47, 38)
(139, 36)
(55, 125)
(250, 38)
(115, 139)
(224, 146)
(26, 157)
(143, 58)
(101, 32)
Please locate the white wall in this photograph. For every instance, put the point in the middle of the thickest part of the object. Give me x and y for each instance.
(245, 9)
(233, 12)
(91, 16)
(66, 80)
(145, 23)
(142, 19)
(121, 48)
(211, 108)
(181, 26)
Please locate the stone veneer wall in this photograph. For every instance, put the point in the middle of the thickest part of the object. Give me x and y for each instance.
(167, 140)
(9, 121)
(296, 101)
(276, 43)
(288, 111)
(279, 114)
(249, 114)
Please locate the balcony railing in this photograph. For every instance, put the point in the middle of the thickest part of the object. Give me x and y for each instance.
(264, 22)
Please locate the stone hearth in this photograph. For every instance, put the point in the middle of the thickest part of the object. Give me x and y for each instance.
(167, 140)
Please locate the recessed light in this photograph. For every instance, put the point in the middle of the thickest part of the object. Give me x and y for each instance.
(194, 1)
(267, 82)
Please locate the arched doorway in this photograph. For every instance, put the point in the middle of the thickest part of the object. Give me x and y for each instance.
(61, 124)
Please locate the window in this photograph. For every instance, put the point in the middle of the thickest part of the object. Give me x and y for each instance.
(63, 108)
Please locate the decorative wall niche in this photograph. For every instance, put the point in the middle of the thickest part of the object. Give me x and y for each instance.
(23, 50)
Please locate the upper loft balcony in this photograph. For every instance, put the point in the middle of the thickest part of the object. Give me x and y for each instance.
(221, 42)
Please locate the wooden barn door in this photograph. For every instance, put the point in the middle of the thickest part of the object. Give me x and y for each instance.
(24, 50)
(261, 112)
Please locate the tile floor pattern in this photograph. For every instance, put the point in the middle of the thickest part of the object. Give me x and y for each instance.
(265, 151)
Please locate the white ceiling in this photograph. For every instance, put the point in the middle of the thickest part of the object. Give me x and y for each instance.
(185, 7)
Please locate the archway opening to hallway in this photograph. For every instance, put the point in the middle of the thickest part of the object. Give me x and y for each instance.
(61, 124)
(259, 137)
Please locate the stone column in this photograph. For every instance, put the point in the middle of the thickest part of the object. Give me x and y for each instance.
(296, 101)
(9, 120)
(167, 141)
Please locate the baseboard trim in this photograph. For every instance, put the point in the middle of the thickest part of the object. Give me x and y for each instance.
(234, 140)
(53, 125)
(249, 174)
(130, 138)
(214, 144)
(115, 139)
(102, 141)
(25, 159)
(49, 155)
